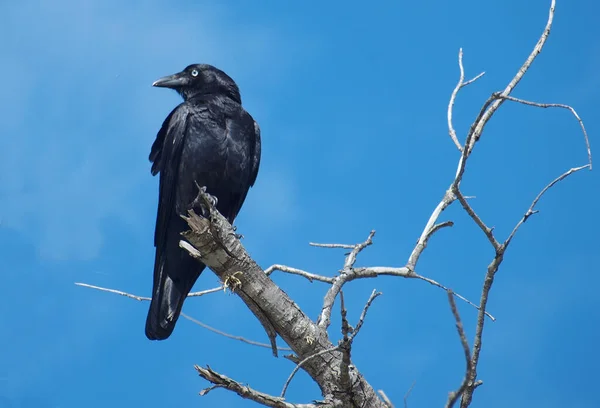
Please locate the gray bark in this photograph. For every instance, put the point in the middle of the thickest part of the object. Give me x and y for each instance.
(224, 254)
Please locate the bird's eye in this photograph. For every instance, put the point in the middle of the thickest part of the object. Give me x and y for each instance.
(195, 73)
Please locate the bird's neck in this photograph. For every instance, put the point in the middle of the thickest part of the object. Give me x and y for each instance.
(207, 91)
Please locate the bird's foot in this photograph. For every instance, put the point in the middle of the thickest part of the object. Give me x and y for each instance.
(232, 282)
(237, 236)
(204, 201)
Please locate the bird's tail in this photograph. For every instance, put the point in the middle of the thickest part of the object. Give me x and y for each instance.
(174, 277)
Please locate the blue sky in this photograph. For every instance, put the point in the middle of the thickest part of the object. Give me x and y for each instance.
(351, 99)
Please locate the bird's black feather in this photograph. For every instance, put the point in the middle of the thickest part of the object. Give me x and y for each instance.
(208, 139)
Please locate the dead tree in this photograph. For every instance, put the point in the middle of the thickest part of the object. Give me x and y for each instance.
(213, 241)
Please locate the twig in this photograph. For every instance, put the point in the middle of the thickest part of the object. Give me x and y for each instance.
(205, 292)
(338, 282)
(441, 225)
(516, 79)
(429, 230)
(196, 294)
(473, 136)
(116, 292)
(461, 84)
(294, 271)
(342, 246)
(231, 336)
(385, 399)
(561, 106)
(299, 365)
(408, 394)
(455, 395)
(244, 391)
(351, 258)
(404, 272)
(531, 210)
(346, 342)
(486, 230)
(363, 315)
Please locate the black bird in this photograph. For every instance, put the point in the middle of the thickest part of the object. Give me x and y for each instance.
(208, 139)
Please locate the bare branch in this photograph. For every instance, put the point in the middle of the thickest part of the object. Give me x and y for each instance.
(487, 286)
(294, 271)
(562, 106)
(345, 343)
(199, 323)
(325, 317)
(408, 393)
(244, 391)
(455, 395)
(351, 258)
(429, 230)
(342, 246)
(346, 275)
(473, 136)
(385, 399)
(363, 315)
(117, 292)
(470, 81)
(460, 328)
(486, 230)
(404, 272)
(206, 292)
(349, 334)
(532, 210)
(461, 84)
(231, 336)
(222, 252)
(301, 363)
(476, 133)
(441, 225)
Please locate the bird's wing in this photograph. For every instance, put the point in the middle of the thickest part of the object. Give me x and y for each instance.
(175, 272)
(166, 157)
(256, 155)
(239, 152)
(157, 147)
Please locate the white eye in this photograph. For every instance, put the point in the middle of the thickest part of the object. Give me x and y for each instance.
(195, 73)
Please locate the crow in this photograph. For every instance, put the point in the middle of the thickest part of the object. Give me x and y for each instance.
(208, 139)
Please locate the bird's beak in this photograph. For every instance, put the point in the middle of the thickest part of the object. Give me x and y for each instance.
(171, 81)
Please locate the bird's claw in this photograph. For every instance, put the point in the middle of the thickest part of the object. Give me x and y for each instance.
(232, 281)
(204, 200)
(213, 200)
(237, 236)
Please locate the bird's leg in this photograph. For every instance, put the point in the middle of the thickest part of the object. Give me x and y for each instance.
(204, 201)
(213, 199)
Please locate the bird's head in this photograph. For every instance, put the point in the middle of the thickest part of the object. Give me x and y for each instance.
(200, 79)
